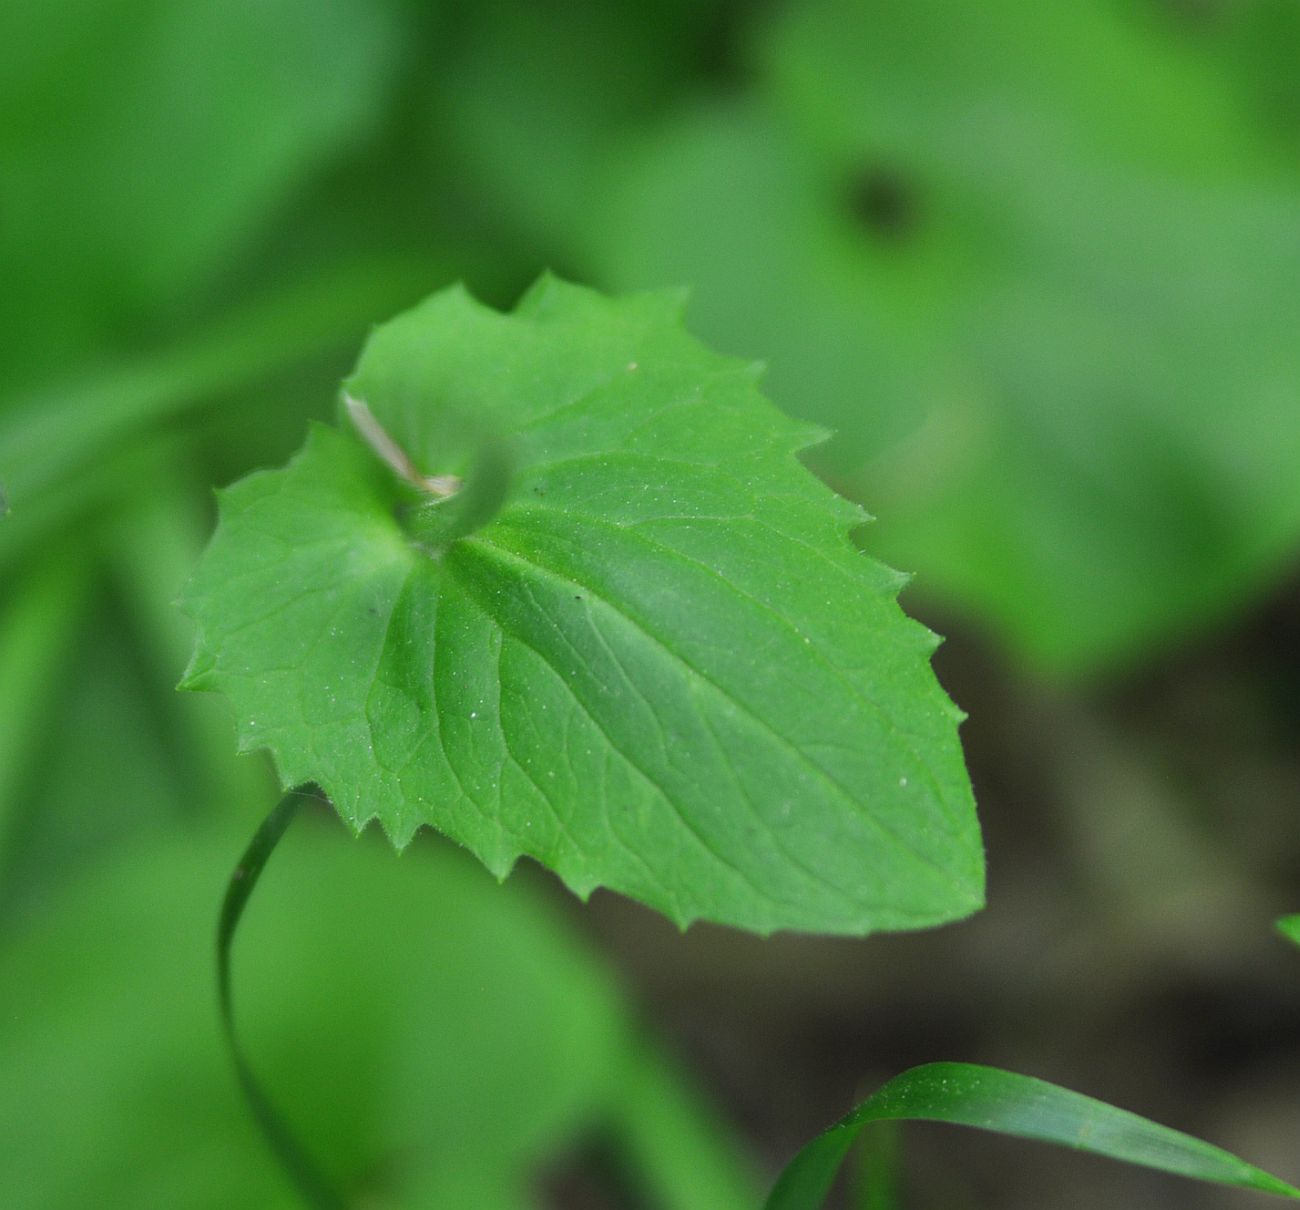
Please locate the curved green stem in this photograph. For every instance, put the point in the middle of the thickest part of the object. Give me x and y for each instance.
(311, 1183)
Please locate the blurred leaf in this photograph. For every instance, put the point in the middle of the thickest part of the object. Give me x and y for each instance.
(51, 435)
(145, 140)
(1289, 927)
(661, 668)
(382, 996)
(154, 540)
(740, 208)
(534, 99)
(1259, 42)
(36, 649)
(65, 446)
(103, 769)
(967, 1095)
(682, 1155)
(1036, 265)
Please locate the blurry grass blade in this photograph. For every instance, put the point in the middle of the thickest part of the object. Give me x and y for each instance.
(36, 629)
(154, 540)
(682, 1155)
(50, 437)
(964, 1094)
(1289, 927)
(307, 1179)
(146, 145)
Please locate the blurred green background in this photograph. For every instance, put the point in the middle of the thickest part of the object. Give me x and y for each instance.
(1037, 265)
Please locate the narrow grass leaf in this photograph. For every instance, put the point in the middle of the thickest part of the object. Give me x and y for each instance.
(965, 1094)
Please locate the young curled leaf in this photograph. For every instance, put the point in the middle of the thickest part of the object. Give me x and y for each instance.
(635, 642)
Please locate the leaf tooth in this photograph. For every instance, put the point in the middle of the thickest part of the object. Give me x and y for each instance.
(583, 888)
(399, 833)
(683, 920)
(890, 583)
(533, 300)
(199, 673)
(670, 302)
(358, 828)
(500, 861)
(290, 773)
(929, 642)
(856, 514)
(247, 740)
(807, 435)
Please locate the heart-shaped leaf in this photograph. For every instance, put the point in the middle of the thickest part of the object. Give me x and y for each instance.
(637, 645)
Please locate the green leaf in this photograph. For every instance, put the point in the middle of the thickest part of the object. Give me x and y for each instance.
(964, 1094)
(661, 667)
